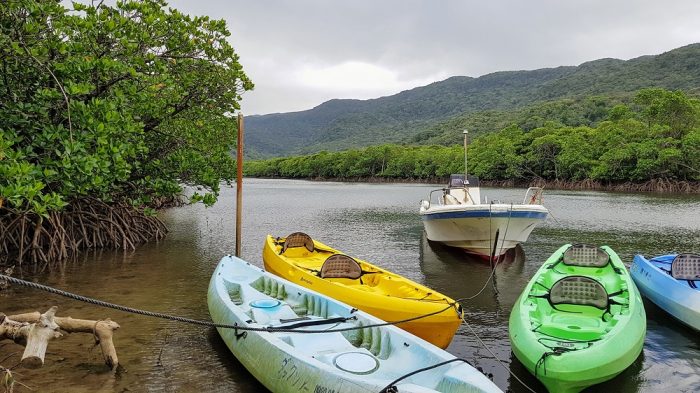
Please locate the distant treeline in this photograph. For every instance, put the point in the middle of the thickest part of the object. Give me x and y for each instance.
(655, 138)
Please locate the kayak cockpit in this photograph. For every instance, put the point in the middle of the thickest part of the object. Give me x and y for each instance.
(579, 297)
(270, 304)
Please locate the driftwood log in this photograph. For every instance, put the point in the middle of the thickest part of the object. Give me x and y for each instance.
(34, 330)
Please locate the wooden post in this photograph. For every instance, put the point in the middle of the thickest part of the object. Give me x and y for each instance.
(239, 184)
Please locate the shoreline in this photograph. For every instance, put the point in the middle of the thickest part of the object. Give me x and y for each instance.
(656, 186)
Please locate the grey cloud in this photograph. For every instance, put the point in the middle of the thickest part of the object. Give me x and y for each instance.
(419, 38)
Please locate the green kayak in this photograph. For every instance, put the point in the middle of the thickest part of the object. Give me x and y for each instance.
(580, 320)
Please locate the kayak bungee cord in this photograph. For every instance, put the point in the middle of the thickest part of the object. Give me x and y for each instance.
(269, 329)
(390, 388)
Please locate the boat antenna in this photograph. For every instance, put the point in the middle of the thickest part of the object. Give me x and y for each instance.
(466, 171)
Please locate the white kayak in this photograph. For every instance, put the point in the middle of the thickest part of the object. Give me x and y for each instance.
(355, 360)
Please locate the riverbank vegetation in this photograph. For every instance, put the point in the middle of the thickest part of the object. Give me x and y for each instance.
(106, 112)
(650, 144)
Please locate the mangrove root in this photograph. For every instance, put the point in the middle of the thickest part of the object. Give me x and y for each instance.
(84, 224)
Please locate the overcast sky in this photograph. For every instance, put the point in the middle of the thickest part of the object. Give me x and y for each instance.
(300, 53)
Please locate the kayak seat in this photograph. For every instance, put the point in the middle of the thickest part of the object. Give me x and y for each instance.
(270, 287)
(686, 267)
(315, 344)
(340, 266)
(298, 239)
(585, 255)
(265, 309)
(579, 290)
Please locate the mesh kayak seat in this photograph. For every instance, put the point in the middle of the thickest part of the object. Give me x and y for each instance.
(340, 266)
(585, 255)
(298, 239)
(686, 267)
(579, 290)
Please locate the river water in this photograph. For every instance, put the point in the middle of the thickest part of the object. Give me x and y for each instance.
(375, 222)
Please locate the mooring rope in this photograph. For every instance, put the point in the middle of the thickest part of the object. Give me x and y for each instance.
(496, 357)
(269, 329)
(503, 241)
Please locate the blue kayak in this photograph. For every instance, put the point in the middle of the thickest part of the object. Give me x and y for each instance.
(671, 282)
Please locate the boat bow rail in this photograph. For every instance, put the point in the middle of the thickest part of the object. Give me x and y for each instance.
(533, 196)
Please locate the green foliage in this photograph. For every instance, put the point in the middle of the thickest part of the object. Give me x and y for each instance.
(630, 145)
(123, 103)
(671, 109)
(495, 156)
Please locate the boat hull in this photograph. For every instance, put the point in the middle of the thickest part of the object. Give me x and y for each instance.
(385, 295)
(242, 294)
(568, 350)
(474, 227)
(674, 296)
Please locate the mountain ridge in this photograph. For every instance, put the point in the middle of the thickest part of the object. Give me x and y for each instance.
(343, 123)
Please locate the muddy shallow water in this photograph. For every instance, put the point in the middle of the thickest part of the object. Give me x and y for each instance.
(376, 222)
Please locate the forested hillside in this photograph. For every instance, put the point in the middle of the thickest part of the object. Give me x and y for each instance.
(651, 144)
(422, 114)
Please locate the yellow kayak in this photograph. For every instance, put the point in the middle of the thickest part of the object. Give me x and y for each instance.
(386, 295)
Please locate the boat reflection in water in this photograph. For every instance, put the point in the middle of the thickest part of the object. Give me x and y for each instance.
(462, 276)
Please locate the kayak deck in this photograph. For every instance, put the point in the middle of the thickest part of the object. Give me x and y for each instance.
(365, 286)
(577, 325)
(576, 321)
(373, 279)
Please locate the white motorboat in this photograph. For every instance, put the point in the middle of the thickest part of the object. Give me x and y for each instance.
(458, 218)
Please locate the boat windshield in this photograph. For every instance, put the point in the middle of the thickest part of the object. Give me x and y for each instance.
(458, 181)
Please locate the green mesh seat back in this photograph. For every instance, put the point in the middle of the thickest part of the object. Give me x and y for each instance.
(340, 266)
(686, 267)
(585, 255)
(298, 239)
(579, 290)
